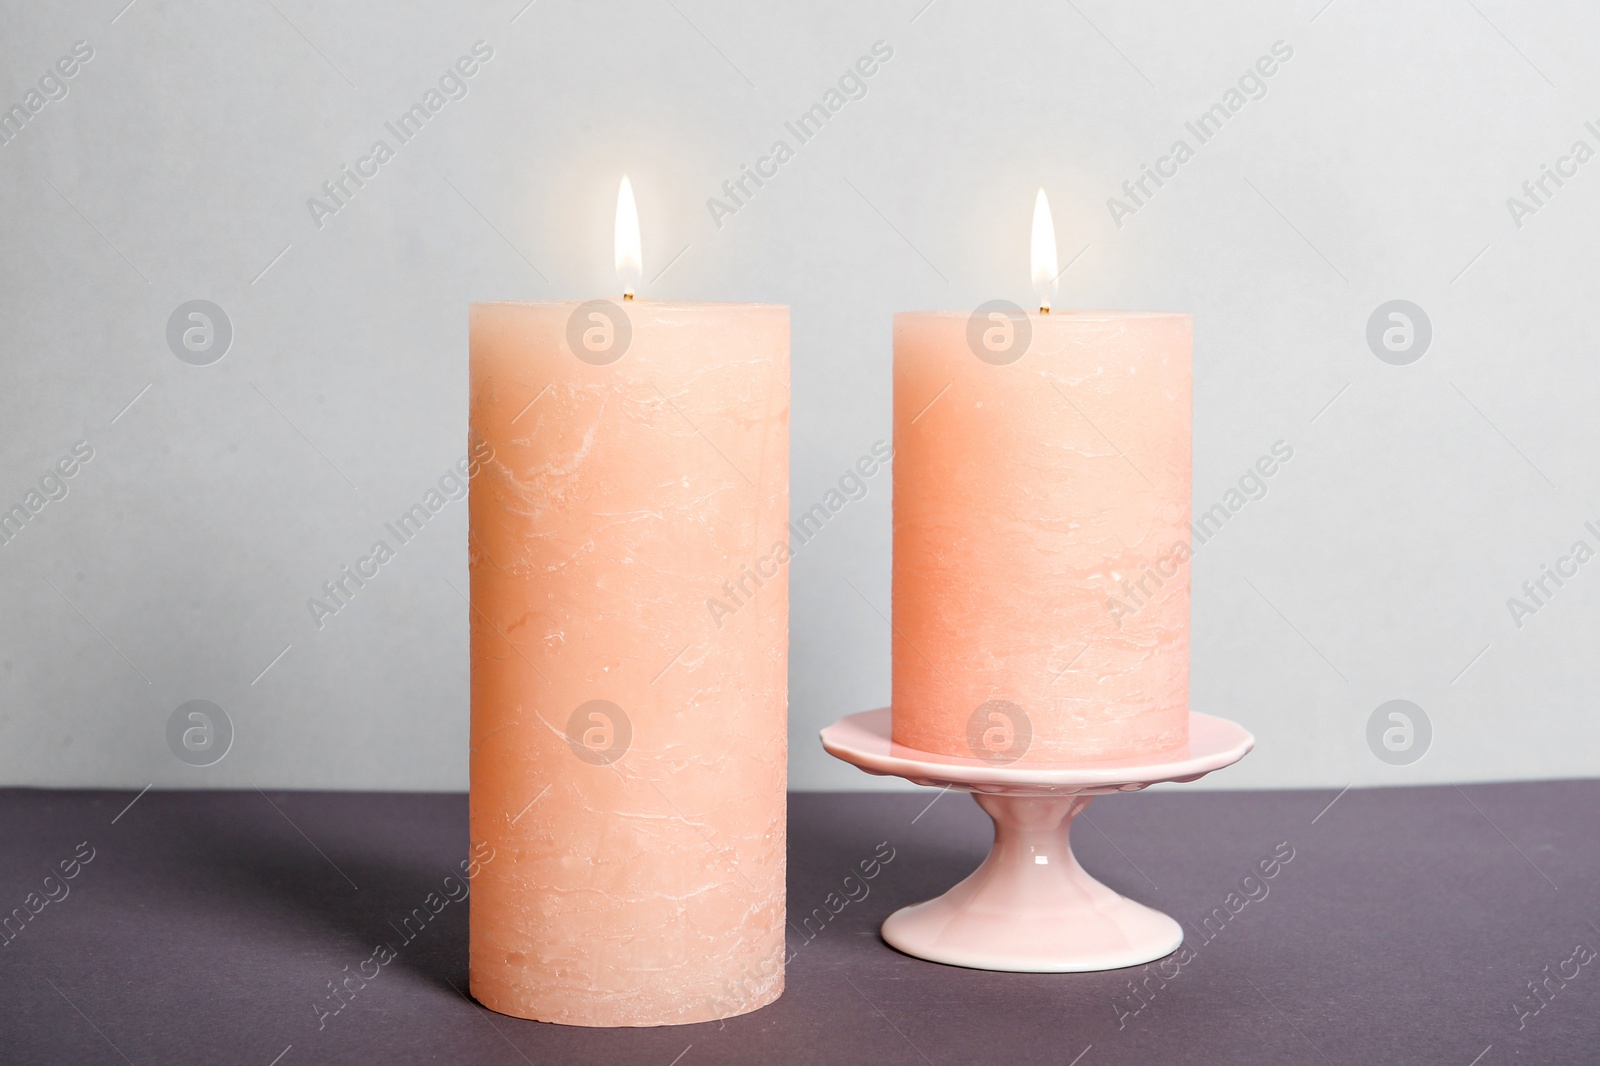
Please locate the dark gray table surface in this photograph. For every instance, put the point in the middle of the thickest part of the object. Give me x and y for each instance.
(1410, 926)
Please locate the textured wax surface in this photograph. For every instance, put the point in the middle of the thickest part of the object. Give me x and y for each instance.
(639, 843)
(1041, 514)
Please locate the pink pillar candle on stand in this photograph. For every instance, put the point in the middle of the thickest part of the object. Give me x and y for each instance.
(1041, 532)
(628, 752)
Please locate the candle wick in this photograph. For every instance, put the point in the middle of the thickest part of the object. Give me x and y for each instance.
(1044, 309)
(627, 295)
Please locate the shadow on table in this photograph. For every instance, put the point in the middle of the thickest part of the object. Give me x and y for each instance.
(351, 871)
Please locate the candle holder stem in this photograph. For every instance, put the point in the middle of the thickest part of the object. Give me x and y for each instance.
(1030, 906)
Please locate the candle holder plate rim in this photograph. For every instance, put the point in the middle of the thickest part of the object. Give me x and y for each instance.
(865, 740)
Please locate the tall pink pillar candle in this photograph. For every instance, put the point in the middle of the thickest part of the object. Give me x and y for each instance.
(1041, 534)
(628, 751)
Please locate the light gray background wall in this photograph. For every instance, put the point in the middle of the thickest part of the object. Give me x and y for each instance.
(1376, 167)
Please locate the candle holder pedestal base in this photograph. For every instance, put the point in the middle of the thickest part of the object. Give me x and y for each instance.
(1030, 907)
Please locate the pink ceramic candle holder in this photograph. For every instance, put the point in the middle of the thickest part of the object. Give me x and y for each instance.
(1030, 907)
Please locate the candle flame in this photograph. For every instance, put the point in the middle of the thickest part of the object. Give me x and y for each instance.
(1045, 271)
(630, 260)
